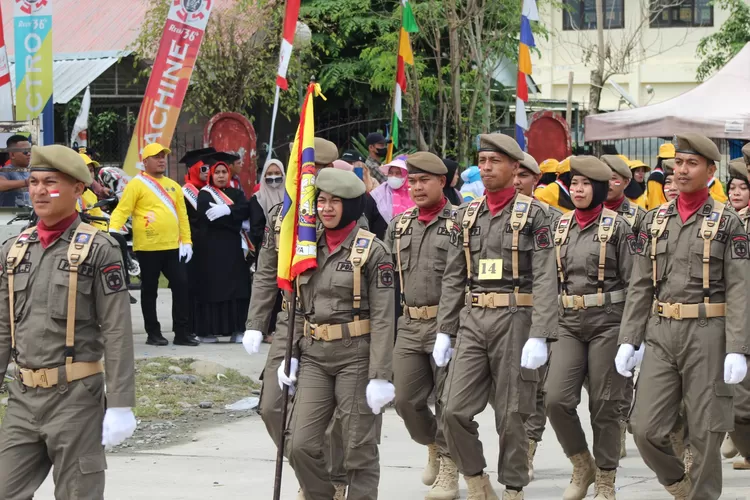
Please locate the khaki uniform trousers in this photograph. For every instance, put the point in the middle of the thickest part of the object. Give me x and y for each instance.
(537, 422)
(271, 399)
(586, 347)
(46, 427)
(415, 375)
(741, 434)
(684, 360)
(626, 404)
(332, 381)
(488, 352)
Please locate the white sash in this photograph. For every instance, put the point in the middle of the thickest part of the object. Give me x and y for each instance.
(222, 199)
(160, 193)
(191, 195)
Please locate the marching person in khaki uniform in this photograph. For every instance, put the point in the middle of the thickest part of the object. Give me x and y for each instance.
(691, 273)
(525, 180)
(594, 263)
(419, 240)
(497, 289)
(343, 344)
(57, 344)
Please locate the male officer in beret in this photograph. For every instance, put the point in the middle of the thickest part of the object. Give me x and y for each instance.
(499, 281)
(690, 273)
(326, 153)
(63, 307)
(419, 240)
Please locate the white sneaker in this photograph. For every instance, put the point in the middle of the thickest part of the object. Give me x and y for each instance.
(237, 338)
(209, 339)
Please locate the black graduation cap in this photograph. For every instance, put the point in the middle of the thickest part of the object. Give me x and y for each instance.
(192, 157)
(227, 158)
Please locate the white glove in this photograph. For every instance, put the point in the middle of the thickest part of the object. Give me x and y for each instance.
(639, 355)
(217, 211)
(119, 424)
(534, 353)
(442, 351)
(735, 368)
(379, 393)
(246, 226)
(291, 379)
(186, 252)
(251, 341)
(626, 360)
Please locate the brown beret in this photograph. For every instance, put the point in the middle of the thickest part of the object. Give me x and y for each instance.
(746, 152)
(618, 165)
(325, 151)
(668, 166)
(340, 183)
(697, 144)
(530, 163)
(501, 143)
(61, 159)
(738, 168)
(591, 167)
(426, 162)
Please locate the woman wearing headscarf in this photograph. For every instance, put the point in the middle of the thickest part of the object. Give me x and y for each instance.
(451, 178)
(343, 347)
(392, 197)
(594, 263)
(222, 278)
(375, 221)
(270, 193)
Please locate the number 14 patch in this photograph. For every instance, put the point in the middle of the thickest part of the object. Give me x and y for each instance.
(490, 269)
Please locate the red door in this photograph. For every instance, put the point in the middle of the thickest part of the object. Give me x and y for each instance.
(548, 136)
(233, 133)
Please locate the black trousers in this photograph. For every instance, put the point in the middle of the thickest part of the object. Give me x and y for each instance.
(152, 265)
(124, 250)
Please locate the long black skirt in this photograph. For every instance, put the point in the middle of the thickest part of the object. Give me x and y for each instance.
(220, 318)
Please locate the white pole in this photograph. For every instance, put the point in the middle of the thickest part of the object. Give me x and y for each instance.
(273, 123)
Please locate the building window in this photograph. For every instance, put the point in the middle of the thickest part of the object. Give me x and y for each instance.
(581, 14)
(681, 13)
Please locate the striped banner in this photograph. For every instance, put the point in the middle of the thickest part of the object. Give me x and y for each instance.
(528, 14)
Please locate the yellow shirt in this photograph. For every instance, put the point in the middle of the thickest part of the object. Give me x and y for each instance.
(154, 225)
(550, 194)
(716, 190)
(89, 199)
(654, 195)
(641, 201)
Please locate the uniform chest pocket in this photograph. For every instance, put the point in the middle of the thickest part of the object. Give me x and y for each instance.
(716, 263)
(525, 252)
(404, 249)
(20, 292)
(610, 263)
(440, 253)
(342, 289)
(58, 297)
(661, 257)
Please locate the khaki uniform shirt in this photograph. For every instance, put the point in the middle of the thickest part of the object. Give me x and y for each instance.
(491, 238)
(424, 250)
(679, 256)
(632, 213)
(102, 327)
(326, 296)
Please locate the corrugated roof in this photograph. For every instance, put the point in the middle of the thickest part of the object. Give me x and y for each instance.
(73, 72)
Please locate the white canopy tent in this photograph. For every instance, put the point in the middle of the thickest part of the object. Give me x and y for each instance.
(718, 108)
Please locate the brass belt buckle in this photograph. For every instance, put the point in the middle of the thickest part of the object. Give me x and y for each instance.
(579, 302)
(676, 311)
(489, 300)
(43, 379)
(321, 332)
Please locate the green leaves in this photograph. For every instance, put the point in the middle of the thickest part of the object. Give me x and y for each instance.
(717, 49)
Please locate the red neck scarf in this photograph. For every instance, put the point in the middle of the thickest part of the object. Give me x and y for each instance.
(496, 201)
(49, 234)
(689, 203)
(614, 204)
(194, 175)
(335, 237)
(427, 214)
(586, 217)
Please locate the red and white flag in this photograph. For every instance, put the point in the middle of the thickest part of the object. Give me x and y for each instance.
(6, 94)
(291, 15)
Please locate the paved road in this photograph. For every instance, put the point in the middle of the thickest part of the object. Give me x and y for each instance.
(237, 461)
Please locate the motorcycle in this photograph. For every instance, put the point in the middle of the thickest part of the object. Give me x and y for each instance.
(124, 235)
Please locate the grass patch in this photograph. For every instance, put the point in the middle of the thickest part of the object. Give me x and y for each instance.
(160, 393)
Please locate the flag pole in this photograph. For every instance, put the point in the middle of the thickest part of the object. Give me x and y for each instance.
(389, 155)
(292, 306)
(273, 123)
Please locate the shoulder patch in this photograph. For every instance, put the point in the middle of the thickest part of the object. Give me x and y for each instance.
(542, 238)
(113, 279)
(385, 275)
(740, 247)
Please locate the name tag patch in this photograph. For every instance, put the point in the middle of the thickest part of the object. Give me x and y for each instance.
(490, 269)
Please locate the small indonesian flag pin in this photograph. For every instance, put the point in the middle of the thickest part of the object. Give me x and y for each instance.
(54, 193)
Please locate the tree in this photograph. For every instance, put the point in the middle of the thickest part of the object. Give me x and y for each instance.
(717, 49)
(236, 66)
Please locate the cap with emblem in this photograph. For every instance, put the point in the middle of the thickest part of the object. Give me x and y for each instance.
(88, 160)
(549, 166)
(666, 150)
(57, 158)
(325, 151)
(501, 143)
(633, 164)
(192, 157)
(668, 166)
(425, 162)
(340, 183)
(697, 144)
(591, 167)
(530, 163)
(153, 149)
(618, 165)
(563, 166)
(746, 152)
(738, 168)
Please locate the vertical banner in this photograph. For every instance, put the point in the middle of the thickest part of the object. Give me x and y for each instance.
(32, 21)
(79, 137)
(170, 76)
(6, 93)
